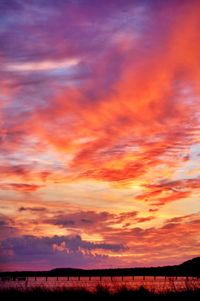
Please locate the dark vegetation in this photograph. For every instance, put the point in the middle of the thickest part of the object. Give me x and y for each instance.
(101, 294)
(188, 268)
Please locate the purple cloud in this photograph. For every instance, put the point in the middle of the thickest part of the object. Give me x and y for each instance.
(56, 251)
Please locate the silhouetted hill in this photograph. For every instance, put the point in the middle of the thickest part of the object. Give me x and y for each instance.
(191, 266)
(192, 262)
(188, 268)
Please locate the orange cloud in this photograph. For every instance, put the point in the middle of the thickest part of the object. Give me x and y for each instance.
(147, 114)
(20, 187)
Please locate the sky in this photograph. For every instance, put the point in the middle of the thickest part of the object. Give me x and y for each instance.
(99, 133)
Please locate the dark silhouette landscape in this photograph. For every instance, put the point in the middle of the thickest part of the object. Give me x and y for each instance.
(101, 294)
(187, 268)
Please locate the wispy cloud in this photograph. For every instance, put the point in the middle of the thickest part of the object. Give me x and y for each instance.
(41, 65)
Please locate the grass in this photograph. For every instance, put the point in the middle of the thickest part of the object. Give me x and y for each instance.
(101, 294)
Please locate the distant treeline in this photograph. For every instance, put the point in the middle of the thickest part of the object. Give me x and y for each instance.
(188, 268)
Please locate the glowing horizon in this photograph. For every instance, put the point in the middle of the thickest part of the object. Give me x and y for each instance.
(99, 133)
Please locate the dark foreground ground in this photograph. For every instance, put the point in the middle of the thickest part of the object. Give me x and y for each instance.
(101, 294)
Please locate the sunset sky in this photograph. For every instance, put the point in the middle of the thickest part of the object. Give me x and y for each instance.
(99, 133)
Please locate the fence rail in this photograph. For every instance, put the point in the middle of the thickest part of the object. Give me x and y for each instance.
(112, 283)
(100, 278)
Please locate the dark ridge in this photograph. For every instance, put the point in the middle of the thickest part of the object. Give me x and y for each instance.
(188, 268)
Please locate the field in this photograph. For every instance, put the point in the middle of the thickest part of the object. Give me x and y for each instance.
(100, 294)
(83, 288)
(112, 283)
(138, 288)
